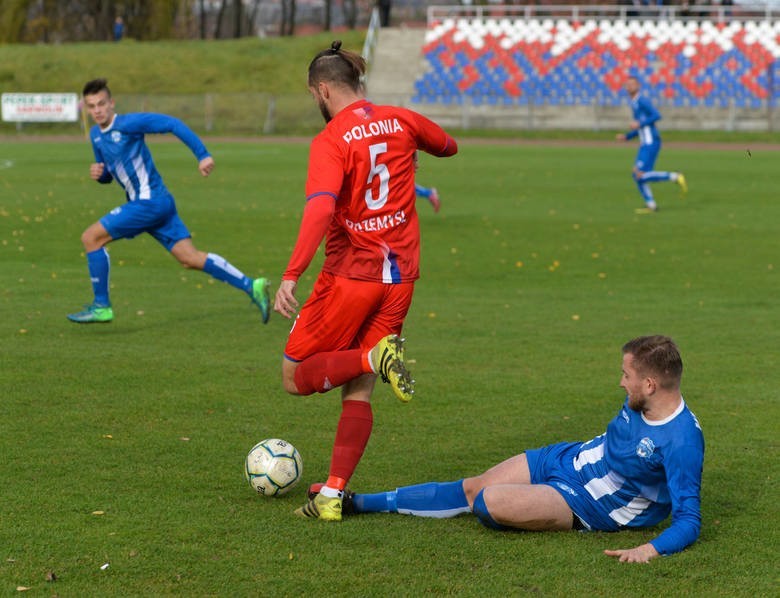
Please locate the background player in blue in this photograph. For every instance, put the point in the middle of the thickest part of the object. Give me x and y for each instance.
(647, 464)
(429, 193)
(121, 154)
(643, 126)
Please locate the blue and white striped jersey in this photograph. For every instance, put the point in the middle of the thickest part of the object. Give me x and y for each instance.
(121, 147)
(646, 115)
(639, 471)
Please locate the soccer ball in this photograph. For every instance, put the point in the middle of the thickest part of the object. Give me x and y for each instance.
(273, 467)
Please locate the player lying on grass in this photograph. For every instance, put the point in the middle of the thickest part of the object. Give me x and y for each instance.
(121, 154)
(647, 464)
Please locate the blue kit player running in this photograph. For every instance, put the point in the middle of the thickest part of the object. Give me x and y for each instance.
(643, 126)
(121, 154)
(429, 193)
(646, 465)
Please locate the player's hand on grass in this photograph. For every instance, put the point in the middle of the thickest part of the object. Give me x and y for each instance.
(206, 165)
(640, 554)
(96, 170)
(620, 136)
(285, 302)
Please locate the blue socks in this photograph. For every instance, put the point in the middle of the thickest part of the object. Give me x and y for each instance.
(482, 513)
(221, 269)
(654, 176)
(99, 268)
(438, 500)
(422, 191)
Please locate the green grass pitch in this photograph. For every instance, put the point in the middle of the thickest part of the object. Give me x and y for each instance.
(123, 444)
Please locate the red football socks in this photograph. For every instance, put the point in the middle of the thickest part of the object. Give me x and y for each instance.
(352, 436)
(324, 371)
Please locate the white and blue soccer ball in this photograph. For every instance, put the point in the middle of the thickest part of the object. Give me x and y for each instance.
(273, 467)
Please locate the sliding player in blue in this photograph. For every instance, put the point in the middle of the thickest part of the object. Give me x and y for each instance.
(643, 126)
(646, 465)
(121, 154)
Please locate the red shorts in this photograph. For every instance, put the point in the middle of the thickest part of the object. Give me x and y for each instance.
(342, 313)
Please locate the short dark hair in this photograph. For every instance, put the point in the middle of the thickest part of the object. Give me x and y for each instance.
(657, 355)
(338, 66)
(95, 86)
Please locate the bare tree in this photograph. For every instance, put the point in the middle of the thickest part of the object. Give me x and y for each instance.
(252, 16)
(350, 13)
(288, 18)
(237, 11)
(220, 16)
(202, 18)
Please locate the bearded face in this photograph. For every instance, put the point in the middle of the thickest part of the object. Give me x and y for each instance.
(324, 110)
(634, 384)
(315, 93)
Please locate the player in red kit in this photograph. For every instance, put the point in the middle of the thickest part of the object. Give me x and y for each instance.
(360, 194)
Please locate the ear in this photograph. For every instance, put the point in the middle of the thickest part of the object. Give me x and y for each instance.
(324, 91)
(650, 385)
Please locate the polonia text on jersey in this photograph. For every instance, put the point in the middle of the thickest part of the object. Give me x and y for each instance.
(377, 223)
(377, 127)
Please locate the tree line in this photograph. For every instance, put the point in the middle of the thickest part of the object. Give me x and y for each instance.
(55, 21)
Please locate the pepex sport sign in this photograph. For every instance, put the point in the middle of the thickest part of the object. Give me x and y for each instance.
(40, 107)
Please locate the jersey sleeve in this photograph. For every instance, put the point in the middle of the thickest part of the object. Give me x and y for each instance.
(432, 139)
(150, 122)
(683, 475)
(631, 134)
(106, 176)
(326, 168)
(317, 216)
(648, 114)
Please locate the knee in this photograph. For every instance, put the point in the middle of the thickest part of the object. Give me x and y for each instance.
(289, 387)
(636, 174)
(90, 241)
(288, 381)
(480, 509)
(472, 487)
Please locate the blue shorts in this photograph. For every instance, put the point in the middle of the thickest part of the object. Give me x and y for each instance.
(646, 157)
(553, 466)
(156, 216)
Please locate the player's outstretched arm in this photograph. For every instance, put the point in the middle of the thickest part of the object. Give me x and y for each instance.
(206, 165)
(640, 554)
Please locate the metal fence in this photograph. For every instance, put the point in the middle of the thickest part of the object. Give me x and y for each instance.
(241, 114)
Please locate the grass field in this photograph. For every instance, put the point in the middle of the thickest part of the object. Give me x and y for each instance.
(123, 444)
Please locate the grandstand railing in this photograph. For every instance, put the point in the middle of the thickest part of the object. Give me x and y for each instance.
(718, 14)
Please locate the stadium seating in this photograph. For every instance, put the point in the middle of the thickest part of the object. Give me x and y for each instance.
(563, 62)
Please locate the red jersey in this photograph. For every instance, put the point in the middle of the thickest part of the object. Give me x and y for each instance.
(364, 159)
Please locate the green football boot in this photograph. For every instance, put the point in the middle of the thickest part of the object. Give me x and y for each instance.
(261, 297)
(94, 313)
